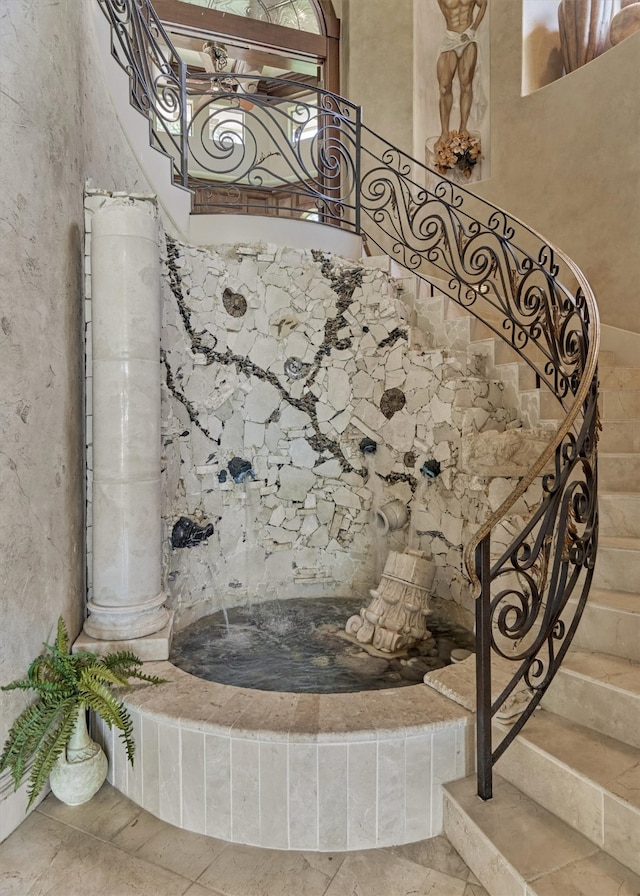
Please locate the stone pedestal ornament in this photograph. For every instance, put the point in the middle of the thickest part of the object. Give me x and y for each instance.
(81, 770)
(128, 601)
(396, 617)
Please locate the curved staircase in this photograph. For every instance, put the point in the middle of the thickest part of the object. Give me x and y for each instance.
(565, 814)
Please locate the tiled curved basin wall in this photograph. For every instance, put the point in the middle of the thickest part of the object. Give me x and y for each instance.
(292, 771)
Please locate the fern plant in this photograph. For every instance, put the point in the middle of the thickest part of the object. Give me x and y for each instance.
(65, 682)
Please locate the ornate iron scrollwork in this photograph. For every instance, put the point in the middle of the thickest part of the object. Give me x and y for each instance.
(272, 146)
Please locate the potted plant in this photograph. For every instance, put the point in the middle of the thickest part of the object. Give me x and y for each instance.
(52, 731)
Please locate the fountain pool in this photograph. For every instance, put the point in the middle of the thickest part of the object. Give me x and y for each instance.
(296, 645)
(284, 770)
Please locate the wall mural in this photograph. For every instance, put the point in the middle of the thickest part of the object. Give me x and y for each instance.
(452, 56)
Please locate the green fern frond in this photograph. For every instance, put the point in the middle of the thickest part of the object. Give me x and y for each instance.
(26, 735)
(128, 665)
(101, 673)
(101, 700)
(51, 748)
(62, 636)
(62, 682)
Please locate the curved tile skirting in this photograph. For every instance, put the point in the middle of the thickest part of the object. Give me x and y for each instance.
(291, 771)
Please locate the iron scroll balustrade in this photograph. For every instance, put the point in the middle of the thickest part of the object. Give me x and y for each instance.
(534, 298)
(294, 152)
(244, 147)
(157, 76)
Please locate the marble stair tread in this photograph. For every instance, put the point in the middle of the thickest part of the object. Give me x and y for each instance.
(589, 780)
(610, 623)
(622, 543)
(458, 681)
(600, 691)
(515, 847)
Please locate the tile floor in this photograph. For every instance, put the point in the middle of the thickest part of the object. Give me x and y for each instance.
(111, 847)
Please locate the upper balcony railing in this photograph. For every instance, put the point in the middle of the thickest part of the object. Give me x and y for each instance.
(271, 146)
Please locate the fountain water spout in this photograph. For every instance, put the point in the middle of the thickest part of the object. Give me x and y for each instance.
(240, 469)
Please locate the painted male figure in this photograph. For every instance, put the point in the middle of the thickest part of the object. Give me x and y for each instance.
(458, 54)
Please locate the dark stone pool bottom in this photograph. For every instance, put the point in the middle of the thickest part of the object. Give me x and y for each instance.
(294, 646)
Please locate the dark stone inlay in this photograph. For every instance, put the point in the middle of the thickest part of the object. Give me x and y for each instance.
(409, 459)
(343, 284)
(234, 303)
(392, 338)
(392, 400)
(187, 533)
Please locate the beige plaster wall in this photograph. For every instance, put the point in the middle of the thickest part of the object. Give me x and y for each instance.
(57, 131)
(565, 160)
(377, 65)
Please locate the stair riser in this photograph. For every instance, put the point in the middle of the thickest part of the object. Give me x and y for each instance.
(617, 569)
(609, 631)
(608, 822)
(619, 378)
(620, 437)
(588, 702)
(620, 405)
(619, 472)
(620, 515)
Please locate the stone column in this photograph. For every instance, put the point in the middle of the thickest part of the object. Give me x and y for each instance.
(128, 602)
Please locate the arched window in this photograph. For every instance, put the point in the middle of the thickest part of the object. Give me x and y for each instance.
(296, 39)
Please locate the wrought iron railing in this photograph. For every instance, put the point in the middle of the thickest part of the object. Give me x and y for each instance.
(261, 145)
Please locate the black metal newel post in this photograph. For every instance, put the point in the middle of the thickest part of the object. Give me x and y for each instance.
(184, 126)
(483, 672)
(358, 166)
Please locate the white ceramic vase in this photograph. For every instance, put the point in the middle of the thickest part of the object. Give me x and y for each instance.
(80, 771)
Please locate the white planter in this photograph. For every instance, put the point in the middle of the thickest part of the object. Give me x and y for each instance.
(80, 772)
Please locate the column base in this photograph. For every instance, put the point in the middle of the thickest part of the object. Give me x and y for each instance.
(150, 648)
(125, 621)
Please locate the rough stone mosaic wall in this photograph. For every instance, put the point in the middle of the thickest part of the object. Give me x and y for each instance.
(288, 359)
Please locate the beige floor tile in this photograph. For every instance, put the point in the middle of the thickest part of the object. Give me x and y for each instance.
(103, 816)
(29, 857)
(251, 871)
(53, 856)
(47, 858)
(180, 851)
(199, 890)
(598, 874)
(436, 853)
(475, 890)
(139, 830)
(374, 874)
